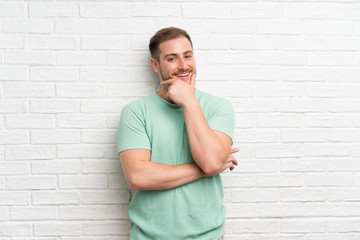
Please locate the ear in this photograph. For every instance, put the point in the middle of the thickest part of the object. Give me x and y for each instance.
(154, 64)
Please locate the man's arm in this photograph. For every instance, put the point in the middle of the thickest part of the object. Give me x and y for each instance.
(209, 148)
(142, 174)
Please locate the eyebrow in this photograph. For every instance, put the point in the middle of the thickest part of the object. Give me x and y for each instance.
(175, 54)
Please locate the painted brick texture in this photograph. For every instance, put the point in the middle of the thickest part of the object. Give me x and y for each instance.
(290, 68)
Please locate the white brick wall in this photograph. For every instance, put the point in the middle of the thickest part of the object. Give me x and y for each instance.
(290, 68)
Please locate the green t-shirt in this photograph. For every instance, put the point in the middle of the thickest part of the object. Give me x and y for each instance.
(194, 210)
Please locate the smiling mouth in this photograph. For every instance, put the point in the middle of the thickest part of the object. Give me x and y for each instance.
(183, 74)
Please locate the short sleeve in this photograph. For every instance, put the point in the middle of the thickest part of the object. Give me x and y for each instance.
(132, 132)
(222, 117)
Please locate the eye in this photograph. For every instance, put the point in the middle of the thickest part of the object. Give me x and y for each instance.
(171, 59)
(188, 56)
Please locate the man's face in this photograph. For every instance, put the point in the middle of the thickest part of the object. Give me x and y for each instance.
(176, 60)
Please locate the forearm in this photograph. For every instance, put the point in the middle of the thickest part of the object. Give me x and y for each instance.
(208, 151)
(157, 176)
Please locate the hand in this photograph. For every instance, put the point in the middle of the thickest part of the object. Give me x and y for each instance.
(230, 162)
(179, 91)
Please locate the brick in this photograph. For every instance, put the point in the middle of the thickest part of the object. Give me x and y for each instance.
(257, 135)
(9, 41)
(105, 43)
(102, 136)
(29, 121)
(303, 225)
(343, 164)
(30, 57)
(282, 58)
(31, 183)
(83, 182)
(310, 44)
(193, 26)
(305, 11)
(33, 213)
(241, 210)
(344, 106)
(332, 209)
(53, 10)
(105, 197)
(303, 105)
(126, 58)
(303, 165)
(272, 150)
(14, 73)
(230, 58)
(304, 74)
(214, 43)
(56, 197)
(15, 229)
(339, 75)
(328, 179)
(104, 166)
(13, 137)
(255, 73)
(105, 10)
(101, 106)
(326, 27)
(255, 43)
(106, 228)
(118, 181)
(243, 180)
(256, 11)
(93, 212)
(159, 10)
(227, 89)
(256, 226)
(332, 236)
(330, 58)
(86, 151)
(279, 90)
(53, 43)
(79, 26)
(28, 26)
(343, 194)
(13, 9)
(245, 120)
(131, 89)
(329, 91)
(13, 106)
(284, 26)
(280, 180)
(54, 106)
(304, 135)
(13, 168)
(343, 225)
(57, 228)
(63, 74)
(80, 90)
(344, 44)
(81, 121)
(327, 149)
(55, 167)
(23, 90)
(105, 74)
(279, 120)
(332, 120)
(258, 195)
(344, 135)
(302, 195)
(259, 105)
(14, 198)
(131, 26)
(26, 152)
(283, 210)
(81, 58)
(252, 166)
(4, 214)
(55, 137)
(343, 12)
(234, 26)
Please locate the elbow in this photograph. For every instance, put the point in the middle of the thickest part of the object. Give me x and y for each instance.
(212, 169)
(135, 183)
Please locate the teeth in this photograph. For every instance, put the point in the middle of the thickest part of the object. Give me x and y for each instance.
(182, 75)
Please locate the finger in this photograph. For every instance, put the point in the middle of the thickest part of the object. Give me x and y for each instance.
(168, 81)
(193, 80)
(234, 150)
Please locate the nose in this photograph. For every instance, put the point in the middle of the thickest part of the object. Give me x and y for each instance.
(182, 63)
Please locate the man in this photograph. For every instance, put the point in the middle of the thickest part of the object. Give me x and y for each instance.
(172, 145)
